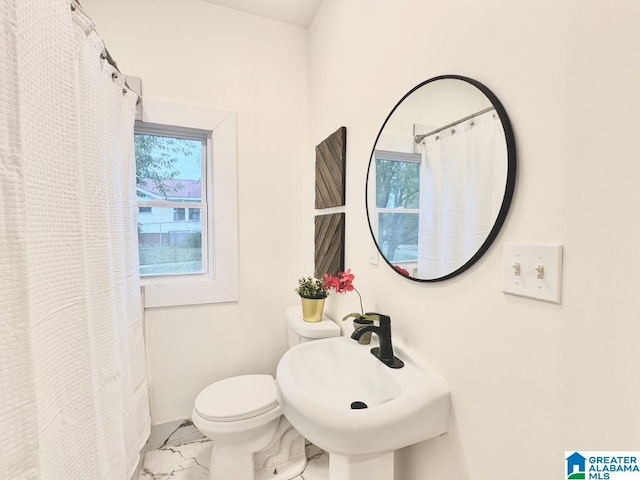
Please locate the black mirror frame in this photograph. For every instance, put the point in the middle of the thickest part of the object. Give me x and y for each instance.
(510, 181)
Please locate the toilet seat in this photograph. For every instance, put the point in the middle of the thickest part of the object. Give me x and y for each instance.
(237, 398)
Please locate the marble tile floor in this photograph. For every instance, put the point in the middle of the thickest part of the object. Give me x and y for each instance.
(178, 451)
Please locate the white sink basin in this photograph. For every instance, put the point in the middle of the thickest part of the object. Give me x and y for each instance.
(318, 382)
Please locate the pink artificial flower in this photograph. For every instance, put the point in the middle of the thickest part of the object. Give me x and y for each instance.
(342, 283)
(346, 281)
(332, 283)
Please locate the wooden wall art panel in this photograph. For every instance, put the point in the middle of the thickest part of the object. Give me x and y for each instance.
(329, 238)
(330, 169)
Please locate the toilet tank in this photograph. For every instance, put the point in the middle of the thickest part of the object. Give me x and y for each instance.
(300, 331)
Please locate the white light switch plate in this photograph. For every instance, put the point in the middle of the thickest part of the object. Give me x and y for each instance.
(533, 270)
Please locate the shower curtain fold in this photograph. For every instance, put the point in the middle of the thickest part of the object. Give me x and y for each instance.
(73, 402)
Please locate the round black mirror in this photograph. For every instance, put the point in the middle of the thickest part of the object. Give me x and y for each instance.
(441, 178)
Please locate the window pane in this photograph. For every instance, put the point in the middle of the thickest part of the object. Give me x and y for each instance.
(168, 168)
(398, 236)
(194, 214)
(178, 214)
(397, 184)
(167, 246)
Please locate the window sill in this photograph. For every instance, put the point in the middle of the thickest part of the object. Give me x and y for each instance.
(175, 292)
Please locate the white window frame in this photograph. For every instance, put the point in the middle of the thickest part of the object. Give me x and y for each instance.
(219, 282)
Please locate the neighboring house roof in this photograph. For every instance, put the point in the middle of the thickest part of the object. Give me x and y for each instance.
(176, 189)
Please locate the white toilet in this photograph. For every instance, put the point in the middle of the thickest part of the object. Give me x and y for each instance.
(252, 440)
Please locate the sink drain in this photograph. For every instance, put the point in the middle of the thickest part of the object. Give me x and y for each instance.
(358, 405)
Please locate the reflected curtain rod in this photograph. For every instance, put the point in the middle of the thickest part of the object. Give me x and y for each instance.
(421, 137)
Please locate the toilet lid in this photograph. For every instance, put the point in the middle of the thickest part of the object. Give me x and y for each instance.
(237, 398)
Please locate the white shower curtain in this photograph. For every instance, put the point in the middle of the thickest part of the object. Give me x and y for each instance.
(73, 389)
(461, 191)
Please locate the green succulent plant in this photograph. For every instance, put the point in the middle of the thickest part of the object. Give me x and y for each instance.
(309, 287)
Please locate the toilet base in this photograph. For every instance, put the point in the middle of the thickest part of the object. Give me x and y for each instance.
(282, 459)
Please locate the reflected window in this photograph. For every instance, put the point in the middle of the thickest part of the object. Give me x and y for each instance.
(397, 202)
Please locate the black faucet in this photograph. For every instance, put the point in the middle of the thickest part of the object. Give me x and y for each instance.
(384, 353)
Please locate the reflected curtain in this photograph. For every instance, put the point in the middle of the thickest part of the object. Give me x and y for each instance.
(461, 191)
(73, 388)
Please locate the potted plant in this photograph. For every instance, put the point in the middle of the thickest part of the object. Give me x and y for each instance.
(343, 283)
(313, 293)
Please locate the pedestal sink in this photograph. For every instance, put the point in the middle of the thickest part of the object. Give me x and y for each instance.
(347, 402)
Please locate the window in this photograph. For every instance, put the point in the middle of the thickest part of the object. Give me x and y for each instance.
(194, 214)
(178, 215)
(185, 175)
(170, 166)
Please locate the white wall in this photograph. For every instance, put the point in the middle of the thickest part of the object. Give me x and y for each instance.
(193, 52)
(529, 379)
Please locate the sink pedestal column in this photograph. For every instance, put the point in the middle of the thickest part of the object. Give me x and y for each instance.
(361, 467)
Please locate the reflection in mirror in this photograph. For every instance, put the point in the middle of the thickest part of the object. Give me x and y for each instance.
(440, 178)
(397, 205)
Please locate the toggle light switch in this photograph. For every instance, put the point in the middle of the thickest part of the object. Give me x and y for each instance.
(516, 269)
(533, 270)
